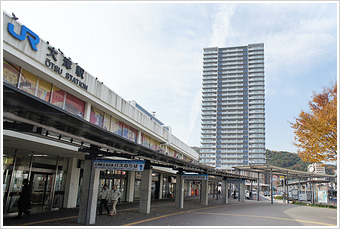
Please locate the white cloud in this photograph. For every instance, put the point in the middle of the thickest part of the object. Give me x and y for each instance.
(221, 26)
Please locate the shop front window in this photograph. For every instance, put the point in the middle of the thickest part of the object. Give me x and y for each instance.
(111, 178)
(137, 190)
(20, 173)
(40, 170)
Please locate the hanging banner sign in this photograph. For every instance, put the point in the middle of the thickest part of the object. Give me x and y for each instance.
(195, 177)
(235, 181)
(119, 164)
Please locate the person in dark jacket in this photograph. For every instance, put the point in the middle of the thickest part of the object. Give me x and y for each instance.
(105, 195)
(24, 202)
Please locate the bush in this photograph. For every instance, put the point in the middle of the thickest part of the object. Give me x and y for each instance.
(314, 205)
(278, 197)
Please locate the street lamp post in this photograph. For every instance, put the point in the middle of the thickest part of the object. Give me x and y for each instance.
(311, 189)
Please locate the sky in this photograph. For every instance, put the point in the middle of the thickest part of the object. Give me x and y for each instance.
(152, 52)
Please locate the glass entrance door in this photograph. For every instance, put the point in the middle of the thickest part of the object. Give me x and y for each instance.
(41, 190)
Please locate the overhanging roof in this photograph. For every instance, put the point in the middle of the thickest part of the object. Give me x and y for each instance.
(26, 113)
(281, 171)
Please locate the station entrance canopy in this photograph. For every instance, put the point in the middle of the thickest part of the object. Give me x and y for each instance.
(26, 113)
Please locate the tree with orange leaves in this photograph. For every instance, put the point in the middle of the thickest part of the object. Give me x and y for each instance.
(316, 131)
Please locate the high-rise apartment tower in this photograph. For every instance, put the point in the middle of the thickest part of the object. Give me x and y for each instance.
(233, 107)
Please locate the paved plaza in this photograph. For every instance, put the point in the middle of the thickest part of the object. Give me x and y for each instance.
(163, 213)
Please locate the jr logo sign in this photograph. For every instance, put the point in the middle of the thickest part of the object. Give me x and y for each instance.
(25, 32)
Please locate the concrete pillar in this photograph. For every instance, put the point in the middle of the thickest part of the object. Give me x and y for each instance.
(88, 200)
(213, 189)
(224, 191)
(72, 183)
(271, 186)
(216, 191)
(204, 192)
(179, 198)
(145, 189)
(287, 190)
(130, 186)
(258, 187)
(284, 189)
(242, 191)
(239, 188)
(161, 179)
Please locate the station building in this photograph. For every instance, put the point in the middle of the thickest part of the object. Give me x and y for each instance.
(61, 124)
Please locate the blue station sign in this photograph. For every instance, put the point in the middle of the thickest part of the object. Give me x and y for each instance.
(133, 165)
(195, 177)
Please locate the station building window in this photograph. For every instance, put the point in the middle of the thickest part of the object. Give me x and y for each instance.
(129, 133)
(58, 97)
(34, 85)
(11, 73)
(116, 126)
(74, 105)
(27, 82)
(149, 142)
(44, 90)
(107, 122)
(97, 117)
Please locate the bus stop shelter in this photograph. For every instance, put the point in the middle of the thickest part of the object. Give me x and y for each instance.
(288, 174)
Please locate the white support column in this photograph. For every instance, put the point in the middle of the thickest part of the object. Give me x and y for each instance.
(139, 137)
(130, 186)
(189, 187)
(179, 198)
(87, 112)
(88, 201)
(145, 189)
(71, 186)
(242, 191)
(224, 191)
(204, 193)
(161, 178)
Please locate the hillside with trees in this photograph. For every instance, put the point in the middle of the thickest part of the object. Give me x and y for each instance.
(291, 161)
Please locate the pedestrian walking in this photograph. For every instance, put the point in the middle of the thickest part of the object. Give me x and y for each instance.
(24, 202)
(105, 195)
(115, 195)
